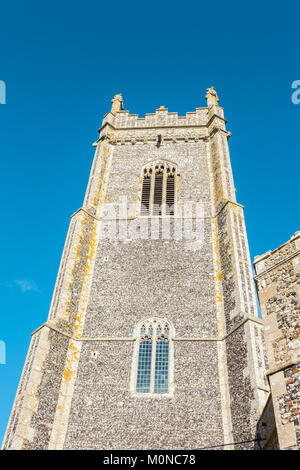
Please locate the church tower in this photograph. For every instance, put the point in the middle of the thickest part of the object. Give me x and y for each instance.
(153, 339)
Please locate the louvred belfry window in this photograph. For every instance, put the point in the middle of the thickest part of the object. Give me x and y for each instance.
(146, 194)
(158, 190)
(170, 193)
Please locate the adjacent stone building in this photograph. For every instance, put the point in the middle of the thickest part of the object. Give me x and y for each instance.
(153, 340)
(278, 285)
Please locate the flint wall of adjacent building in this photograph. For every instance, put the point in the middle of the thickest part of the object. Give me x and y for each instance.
(278, 283)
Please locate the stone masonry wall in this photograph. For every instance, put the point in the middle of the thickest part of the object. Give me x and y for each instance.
(105, 415)
(75, 389)
(278, 282)
(137, 279)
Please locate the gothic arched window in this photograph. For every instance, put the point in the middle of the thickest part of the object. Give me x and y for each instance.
(153, 359)
(159, 187)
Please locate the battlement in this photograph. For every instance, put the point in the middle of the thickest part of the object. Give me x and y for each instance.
(161, 118)
(121, 119)
(121, 126)
(272, 257)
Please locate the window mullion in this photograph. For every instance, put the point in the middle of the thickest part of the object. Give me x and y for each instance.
(153, 359)
(152, 191)
(176, 180)
(164, 191)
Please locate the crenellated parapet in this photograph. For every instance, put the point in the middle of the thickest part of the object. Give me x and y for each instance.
(121, 127)
(161, 118)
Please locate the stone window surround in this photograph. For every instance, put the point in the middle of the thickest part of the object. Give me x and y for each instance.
(168, 164)
(137, 338)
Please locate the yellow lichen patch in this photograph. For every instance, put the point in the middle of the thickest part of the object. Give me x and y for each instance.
(85, 255)
(67, 374)
(217, 279)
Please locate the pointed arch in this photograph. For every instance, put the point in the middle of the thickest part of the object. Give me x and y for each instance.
(153, 358)
(159, 182)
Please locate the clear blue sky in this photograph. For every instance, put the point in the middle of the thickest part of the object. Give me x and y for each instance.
(63, 61)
